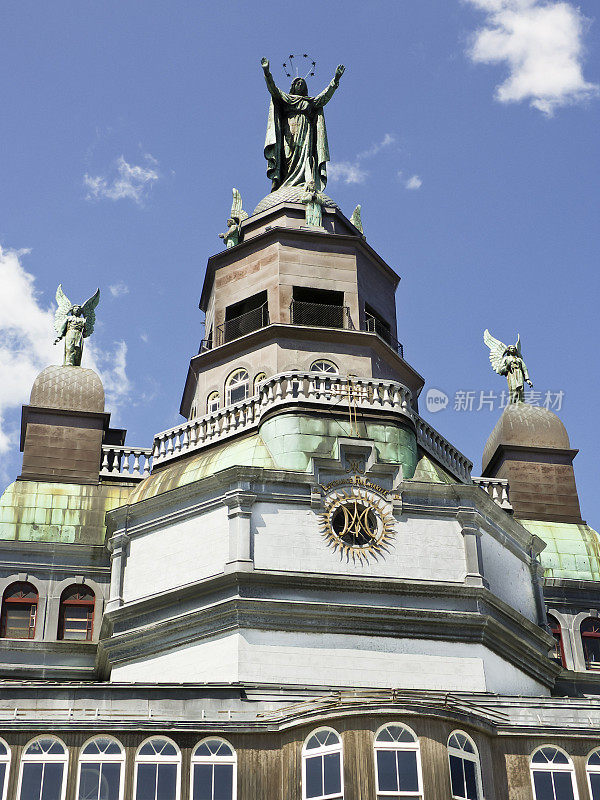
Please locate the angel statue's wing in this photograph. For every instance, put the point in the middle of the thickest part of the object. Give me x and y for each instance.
(88, 309)
(518, 345)
(237, 212)
(62, 312)
(356, 220)
(497, 350)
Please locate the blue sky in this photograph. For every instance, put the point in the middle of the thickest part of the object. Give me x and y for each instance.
(467, 130)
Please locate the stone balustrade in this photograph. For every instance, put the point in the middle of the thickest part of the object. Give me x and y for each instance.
(497, 488)
(306, 389)
(442, 451)
(132, 463)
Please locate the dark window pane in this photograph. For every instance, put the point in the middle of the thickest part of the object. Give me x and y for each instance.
(543, 786)
(31, 783)
(595, 784)
(223, 782)
(331, 771)
(563, 785)
(146, 782)
(89, 781)
(386, 771)
(456, 776)
(167, 782)
(19, 621)
(314, 776)
(109, 782)
(407, 771)
(2, 777)
(52, 786)
(470, 780)
(202, 782)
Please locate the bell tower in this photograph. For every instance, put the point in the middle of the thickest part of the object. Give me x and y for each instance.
(304, 526)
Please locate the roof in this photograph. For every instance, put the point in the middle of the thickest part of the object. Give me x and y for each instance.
(66, 513)
(572, 550)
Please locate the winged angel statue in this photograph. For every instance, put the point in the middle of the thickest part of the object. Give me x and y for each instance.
(233, 235)
(74, 323)
(507, 360)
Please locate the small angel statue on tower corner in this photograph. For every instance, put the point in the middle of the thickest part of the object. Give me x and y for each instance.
(74, 323)
(507, 360)
(233, 234)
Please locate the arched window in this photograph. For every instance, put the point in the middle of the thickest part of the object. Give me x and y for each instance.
(213, 771)
(322, 766)
(213, 402)
(76, 613)
(322, 365)
(590, 639)
(593, 774)
(398, 763)
(101, 763)
(558, 653)
(157, 770)
(552, 775)
(43, 767)
(465, 773)
(259, 380)
(19, 611)
(237, 387)
(4, 768)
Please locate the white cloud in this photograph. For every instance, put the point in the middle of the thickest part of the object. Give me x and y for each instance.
(119, 289)
(388, 140)
(414, 182)
(347, 172)
(130, 182)
(541, 42)
(26, 337)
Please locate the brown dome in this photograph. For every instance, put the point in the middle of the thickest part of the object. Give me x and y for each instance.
(527, 426)
(69, 388)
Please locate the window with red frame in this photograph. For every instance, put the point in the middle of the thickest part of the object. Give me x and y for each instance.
(590, 639)
(76, 615)
(558, 654)
(19, 611)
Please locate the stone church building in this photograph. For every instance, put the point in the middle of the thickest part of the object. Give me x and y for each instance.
(301, 592)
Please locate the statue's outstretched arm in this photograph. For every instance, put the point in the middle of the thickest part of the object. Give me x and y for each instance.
(276, 93)
(327, 94)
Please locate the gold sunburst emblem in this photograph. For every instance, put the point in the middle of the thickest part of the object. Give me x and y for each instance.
(357, 523)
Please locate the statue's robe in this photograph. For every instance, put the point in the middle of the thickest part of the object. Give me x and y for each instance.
(516, 374)
(297, 138)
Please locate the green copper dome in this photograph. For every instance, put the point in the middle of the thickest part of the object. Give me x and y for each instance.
(572, 550)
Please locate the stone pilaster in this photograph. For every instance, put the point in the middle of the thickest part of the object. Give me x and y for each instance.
(117, 545)
(471, 532)
(239, 511)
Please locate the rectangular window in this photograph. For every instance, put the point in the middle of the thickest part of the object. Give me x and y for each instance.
(99, 781)
(77, 622)
(42, 781)
(463, 778)
(213, 782)
(19, 620)
(595, 784)
(323, 776)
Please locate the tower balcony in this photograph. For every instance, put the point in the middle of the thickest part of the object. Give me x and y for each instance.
(320, 315)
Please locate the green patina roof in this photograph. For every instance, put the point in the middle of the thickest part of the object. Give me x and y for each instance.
(287, 441)
(248, 452)
(572, 550)
(37, 511)
(428, 471)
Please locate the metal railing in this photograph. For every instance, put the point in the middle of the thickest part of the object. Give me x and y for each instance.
(319, 315)
(373, 325)
(246, 323)
(205, 344)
